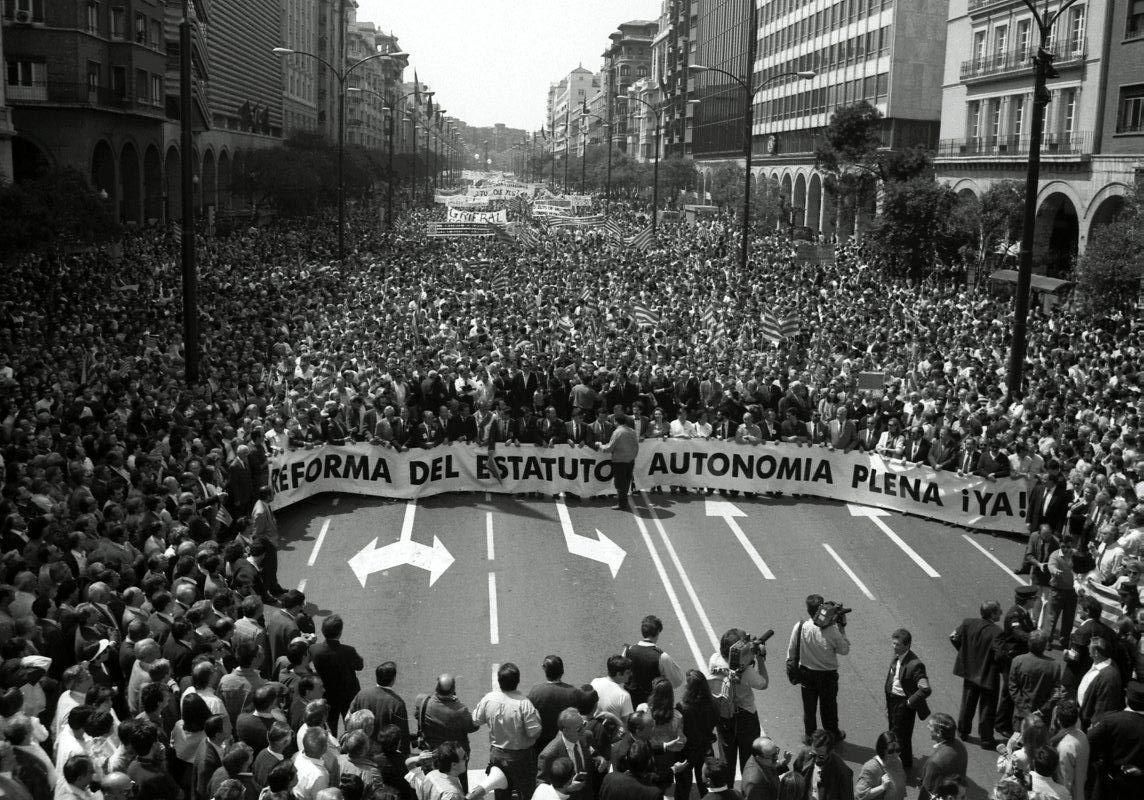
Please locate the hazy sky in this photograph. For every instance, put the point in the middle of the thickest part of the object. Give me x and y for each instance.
(492, 60)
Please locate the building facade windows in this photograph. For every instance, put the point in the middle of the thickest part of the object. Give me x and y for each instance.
(1076, 28)
(118, 23)
(1068, 113)
(1023, 28)
(1130, 110)
(1017, 106)
(1135, 22)
(93, 18)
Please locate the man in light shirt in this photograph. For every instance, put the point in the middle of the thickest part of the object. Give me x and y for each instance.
(614, 697)
(514, 726)
(817, 650)
(738, 725)
(1100, 689)
(1072, 749)
(313, 776)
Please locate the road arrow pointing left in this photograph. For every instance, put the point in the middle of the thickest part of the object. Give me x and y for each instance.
(600, 549)
(728, 511)
(371, 558)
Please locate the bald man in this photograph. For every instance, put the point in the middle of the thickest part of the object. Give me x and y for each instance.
(762, 770)
(440, 717)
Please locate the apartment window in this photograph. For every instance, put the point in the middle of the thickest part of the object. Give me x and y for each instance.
(973, 120)
(1023, 28)
(25, 73)
(1067, 112)
(156, 33)
(140, 29)
(119, 81)
(979, 49)
(1000, 43)
(1017, 104)
(1135, 26)
(1130, 111)
(1076, 29)
(994, 119)
(156, 89)
(92, 77)
(118, 23)
(93, 17)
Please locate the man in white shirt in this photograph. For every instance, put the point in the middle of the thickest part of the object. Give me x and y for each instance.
(1044, 767)
(614, 698)
(681, 428)
(77, 679)
(1072, 749)
(313, 776)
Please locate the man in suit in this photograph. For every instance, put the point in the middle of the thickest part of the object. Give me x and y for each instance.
(208, 757)
(624, 784)
(239, 484)
(917, 446)
(575, 429)
(1033, 676)
(762, 770)
(1100, 688)
(552, 428)
(993, 463)
(1077, 659)
(337, 665)
(843, 433)
(601, 430)
(361, 419)
(978, 672)
(282, 624)
(906, 689)
(835, 778)
(1049, 501)
(948, 759)
(567, 744)
(1013, 641)
(462, 426)
(1116, 749)
(429, 432)
(387, 706)
(969, 456)
(551, 698)
(944, 452)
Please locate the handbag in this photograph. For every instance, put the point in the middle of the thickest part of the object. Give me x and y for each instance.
(794, 665)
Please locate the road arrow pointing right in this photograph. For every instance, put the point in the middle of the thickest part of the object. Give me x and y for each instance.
(728, 511)
(600, 549)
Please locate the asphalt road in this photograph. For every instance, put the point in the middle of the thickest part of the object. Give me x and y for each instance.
(521, 585)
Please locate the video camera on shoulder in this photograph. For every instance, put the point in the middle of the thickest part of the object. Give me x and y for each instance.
(831, 613)
(742, 653)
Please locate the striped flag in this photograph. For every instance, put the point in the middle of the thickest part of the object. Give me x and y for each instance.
(789, 326)
(709, 318)
(526, 236)
(642, 240)
(770, 328)
(644, 315)
(502, 283)
(500, 234)
(613, 230)
(565, 322)
(586, 295)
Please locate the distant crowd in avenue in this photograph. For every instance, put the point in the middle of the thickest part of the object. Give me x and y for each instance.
(147, 649)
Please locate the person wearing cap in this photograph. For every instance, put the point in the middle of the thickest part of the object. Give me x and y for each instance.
(1116, 748)
(1011, 642)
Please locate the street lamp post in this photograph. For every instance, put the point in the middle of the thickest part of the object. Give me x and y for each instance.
(658, 112)
(341, 75)
(748, 117)
(1042, 71)
(584, 156)
(392, 109)
(190, 268)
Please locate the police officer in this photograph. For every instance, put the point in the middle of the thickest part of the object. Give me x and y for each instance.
(1010, 643)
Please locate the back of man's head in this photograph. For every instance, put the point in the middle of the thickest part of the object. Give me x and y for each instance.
(553, 667)
(508, 676)
(386, 673)
(1045, 761)
(1037, 643)
(314, 742)
(561, 772)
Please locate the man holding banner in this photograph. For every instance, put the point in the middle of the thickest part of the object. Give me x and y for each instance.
(623, 447)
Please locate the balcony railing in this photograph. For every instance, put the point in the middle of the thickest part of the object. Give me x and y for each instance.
(977, 5)
(1017, 60)
(1054, 144)
(79, 94)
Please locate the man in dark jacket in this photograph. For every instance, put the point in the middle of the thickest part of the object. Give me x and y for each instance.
(907, 688)
(835, 778)
(1012, 641)
(1116, 742)
(387, 706)
(337, 665)
(977, 669)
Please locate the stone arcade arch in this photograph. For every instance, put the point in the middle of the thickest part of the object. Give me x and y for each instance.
(173, 186)
(798, 201)
(1057, 235)
(130, 185)
(103, 172)
(152, 185)
(224, 180)
(208, 180)
(814, 203)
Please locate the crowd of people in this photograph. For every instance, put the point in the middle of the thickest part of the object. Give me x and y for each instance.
(149, 651)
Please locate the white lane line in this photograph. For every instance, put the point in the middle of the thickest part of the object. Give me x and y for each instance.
(494, 621)
(846, 568)
(489, 548)
(909, 551)
(994, 559)
(318, 544)
(672, 597)
(493, 682)
(682, 574)
(302, 585)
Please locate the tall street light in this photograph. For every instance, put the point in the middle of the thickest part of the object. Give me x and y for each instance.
(584, 156)
(1042, 71)
(190, 268)
(341, 75)
(389, 136)
(658, 112)
(748, 117)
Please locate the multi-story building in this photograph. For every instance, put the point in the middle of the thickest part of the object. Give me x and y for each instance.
(889, 53)
(626, 60)
(566, 98)
(671, 51)
(379, 79)
(1093, 132)
(300, 74)
(7, 175)
(87, 86)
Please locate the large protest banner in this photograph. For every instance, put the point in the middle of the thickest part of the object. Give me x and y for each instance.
(457, 215)
(817, 471)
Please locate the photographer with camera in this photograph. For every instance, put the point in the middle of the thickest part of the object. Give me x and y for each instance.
(812, 662)
(736, 671)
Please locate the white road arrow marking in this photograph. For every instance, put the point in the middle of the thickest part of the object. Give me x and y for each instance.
(600, 549)
(371, 558)
(875, 515)
(728, 511)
